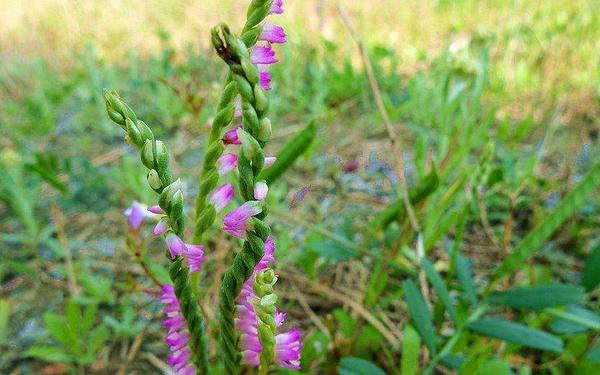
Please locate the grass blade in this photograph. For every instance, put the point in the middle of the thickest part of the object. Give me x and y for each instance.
(539, 296)
(420, 314)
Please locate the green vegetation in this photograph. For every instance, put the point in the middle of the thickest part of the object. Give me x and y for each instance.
(497, 108)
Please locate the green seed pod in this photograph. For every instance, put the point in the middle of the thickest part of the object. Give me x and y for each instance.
(250, 118)
(161, 157)
(148, 155)
(244, 88)
(154, 180)
(144, 130)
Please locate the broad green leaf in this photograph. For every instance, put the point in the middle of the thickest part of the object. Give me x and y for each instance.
(290, 152)
(60, 330)
(48, 354)
(315, 347)
(440, 288)
(552, 221)
(464, 273)
(420, 314)
(590, 277)
(539, 296)
(89, 316)
(358, 366)
(411, 343)
(395, 209)
(516, 333)
(574, 319)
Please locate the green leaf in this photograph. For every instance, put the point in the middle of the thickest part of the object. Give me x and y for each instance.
(516, 333)
(4, 317)
(315, 347)
(346, 323)
(594, 353)
(358, 366)
(539, 296)
(590, 277)
(289, 153)
(440, 288)
(59, 329)
(411, 344)
(420, 314)
(574, 319)
(48, 354)
(552, 221)
(395, 210)
(376, 285)
(97, 339)
(464, 273)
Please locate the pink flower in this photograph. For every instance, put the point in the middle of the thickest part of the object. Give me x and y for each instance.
(177, 334)
(235, 222)
(193, 254)
(221, 196)
(156, 210)
(260, 190)
(276, 7)
(226, 163)
(137, 213)
(265, 80)
(288, 345)
(269, 161)
(161, 227)
(272, 33)
(263, 55)
(230, 137)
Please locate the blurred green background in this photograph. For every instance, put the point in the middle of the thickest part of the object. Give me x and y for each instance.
(501, 96)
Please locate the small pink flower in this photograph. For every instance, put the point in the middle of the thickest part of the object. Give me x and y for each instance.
(230, 137)
(194, 254)
(226, 163)
(265, 80)
(156, 210)
(263, 55)
(221, 196)
(137, 213)
(161, 227)
(276, 7)
(272, 33)
(237, 105)
(175, 245)
(288, 347)
(260, 190)
(269, 161)
(235, 222)
(177, 335)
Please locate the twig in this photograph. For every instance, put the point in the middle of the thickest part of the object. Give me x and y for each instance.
(135, 347)
(309, 311)
(64, 243)
(358, 308)
(391, 132)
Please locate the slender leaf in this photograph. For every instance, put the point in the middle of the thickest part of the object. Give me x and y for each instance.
(4, 318)
(48, 354)
(516, 333)
(539, 296)
(420, 314)
(574, 319)
(440, 288)
(464, 273)
(358, 366)
(552, 221)
(411, 343)
(290, 152)
(590, 277)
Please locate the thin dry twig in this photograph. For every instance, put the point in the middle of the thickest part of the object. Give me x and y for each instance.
(358, 308)
(135, 347)
(309, 311)
(391, 132)
(57, 218)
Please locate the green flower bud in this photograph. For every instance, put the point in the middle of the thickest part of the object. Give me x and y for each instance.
(154, 180)
(134, 134)
(264, 130)
(250, 146)
(261, 98)
(162, 157)
(148, 154)
(250, 71)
